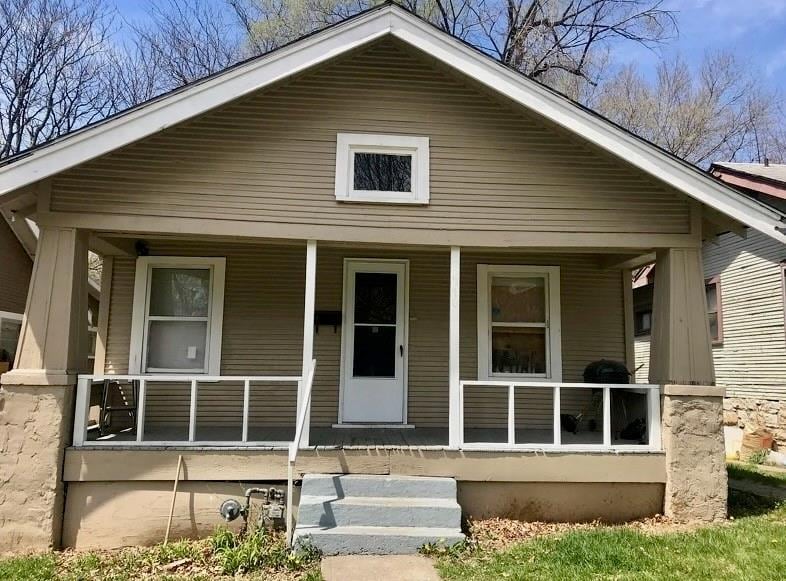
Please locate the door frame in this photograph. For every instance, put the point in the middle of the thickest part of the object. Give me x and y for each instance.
(346, 303)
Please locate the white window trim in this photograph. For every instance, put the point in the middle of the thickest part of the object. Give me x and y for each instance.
(347, 144)
(553, 323)
(144, 265)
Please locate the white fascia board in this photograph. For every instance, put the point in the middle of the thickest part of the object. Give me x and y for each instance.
(602, 133)
(192, 101)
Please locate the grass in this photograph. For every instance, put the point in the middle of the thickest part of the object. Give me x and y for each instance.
(258, 555)
(756, 473)
(749, 548)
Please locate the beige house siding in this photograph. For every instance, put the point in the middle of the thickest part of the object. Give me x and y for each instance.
(642, 350)
(263, 321)
(751, 362)
(16, 269)
(496, 171)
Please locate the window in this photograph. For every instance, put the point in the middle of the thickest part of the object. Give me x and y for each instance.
(712, 289)
(382, 168)
(10, 327)
(519, 322)
(178, 311)
(642, 323)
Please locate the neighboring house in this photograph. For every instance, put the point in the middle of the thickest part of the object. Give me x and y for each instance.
(448, 241)
(744, 281)
(18, 250)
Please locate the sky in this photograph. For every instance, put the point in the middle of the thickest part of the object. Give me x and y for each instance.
(755, 30)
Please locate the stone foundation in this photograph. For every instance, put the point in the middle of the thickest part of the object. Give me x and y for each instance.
(34, 430)
(696, 483)
(751, 414)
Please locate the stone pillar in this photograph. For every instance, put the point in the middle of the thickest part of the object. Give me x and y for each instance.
(36, 399)
(692, 409)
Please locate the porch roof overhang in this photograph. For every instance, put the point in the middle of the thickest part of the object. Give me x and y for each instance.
(47, 160)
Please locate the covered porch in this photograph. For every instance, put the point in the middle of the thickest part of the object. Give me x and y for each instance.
(407, 347)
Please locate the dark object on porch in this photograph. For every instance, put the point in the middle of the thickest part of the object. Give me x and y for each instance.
(606, 371)
(111, 391)
(329, 318)
(634, 430)
(570, 423)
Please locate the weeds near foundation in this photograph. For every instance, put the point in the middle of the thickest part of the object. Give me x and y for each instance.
(259, 554)
(256, 549)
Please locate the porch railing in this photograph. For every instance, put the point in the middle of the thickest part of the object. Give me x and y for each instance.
(606, 438)
(83, 403)
(294, 446)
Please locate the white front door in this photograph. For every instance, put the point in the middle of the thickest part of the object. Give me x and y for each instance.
(374, 341)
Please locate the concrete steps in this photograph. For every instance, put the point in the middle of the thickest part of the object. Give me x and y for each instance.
(380, 515)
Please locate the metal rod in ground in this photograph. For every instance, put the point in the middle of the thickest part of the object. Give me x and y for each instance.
(174, 496)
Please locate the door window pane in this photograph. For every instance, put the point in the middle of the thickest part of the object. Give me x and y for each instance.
(383, 172)
(374, 352)
(518, 299)
(518, 350)
(176, 345)
(375, 297)
(179, 292)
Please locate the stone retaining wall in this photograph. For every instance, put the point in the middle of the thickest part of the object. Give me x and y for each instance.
(750, 414)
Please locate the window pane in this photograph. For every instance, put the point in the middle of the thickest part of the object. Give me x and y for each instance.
(712, 297)
(518, 299)
(383, 172)
(713, 317)
(179, 292)
(375, 352)
(518, 350)
(375, 297)
(176, 345)
(9, 336)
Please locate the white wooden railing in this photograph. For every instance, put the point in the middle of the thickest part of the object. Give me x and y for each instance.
(653, 431)
(294, 446)
(85, 384)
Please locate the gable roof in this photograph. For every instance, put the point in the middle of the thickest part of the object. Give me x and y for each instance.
(387, 19)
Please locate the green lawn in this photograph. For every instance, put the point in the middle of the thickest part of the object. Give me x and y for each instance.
(755, 473)
(752, 547)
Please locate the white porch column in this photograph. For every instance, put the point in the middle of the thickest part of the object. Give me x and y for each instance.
(454, 403)
(681, 361)
(308, 331)
(36, 411)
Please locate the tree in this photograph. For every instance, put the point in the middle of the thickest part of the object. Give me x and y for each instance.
(544, 39)
(719, 112)
(53, 69)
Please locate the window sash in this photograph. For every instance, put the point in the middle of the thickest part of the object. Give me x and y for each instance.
(551, 326)
(714, 282)
(141, 319)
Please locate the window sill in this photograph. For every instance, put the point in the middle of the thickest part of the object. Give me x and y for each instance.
(379, 200)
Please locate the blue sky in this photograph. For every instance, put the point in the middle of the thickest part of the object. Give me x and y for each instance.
(755, 30)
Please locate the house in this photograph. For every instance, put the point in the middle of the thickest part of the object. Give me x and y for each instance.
(17, 244)
(374, 251)
(744, 282)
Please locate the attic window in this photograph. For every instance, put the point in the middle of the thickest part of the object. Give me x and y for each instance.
(382, 168)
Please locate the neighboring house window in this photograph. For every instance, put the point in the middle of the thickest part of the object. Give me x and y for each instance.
(712, 288)
(382, 168)
(642, 323)
(519, 322)
(92, 333)
(10, 327)
(177, 318)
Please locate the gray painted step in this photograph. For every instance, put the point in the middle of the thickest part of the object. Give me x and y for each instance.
(377, 515)
(329, 511)
(375, 540)
(378, 486)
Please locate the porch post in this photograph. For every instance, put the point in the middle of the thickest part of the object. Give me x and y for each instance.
(308, 331)
(681, 361)
(36, 411)
(454, 400)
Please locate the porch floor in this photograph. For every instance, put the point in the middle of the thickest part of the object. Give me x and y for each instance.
(327, 437)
